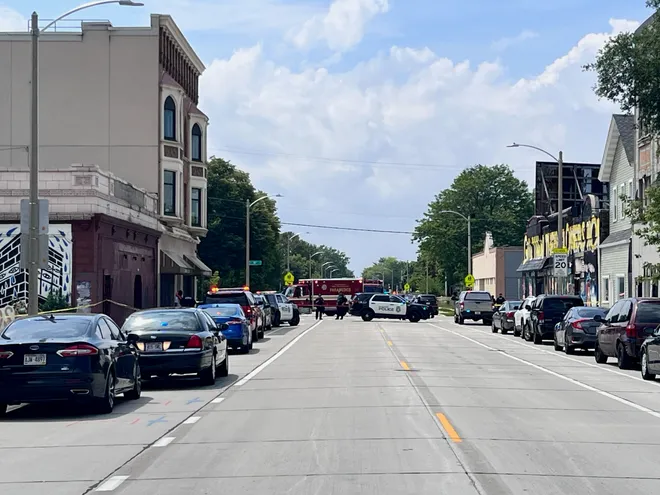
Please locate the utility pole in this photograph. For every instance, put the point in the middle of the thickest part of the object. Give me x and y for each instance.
(247, 242)
(33, 252)
(427, 277)
(560, 218)
(469, 244)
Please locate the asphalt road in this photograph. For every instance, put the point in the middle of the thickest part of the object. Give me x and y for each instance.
(348, 407)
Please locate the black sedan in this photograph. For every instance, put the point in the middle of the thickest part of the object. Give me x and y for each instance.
(67, 357)
(179, 341)
(578, 329)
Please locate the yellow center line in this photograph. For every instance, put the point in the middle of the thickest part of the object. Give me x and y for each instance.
(453, 434)
(405, 366)
(389, 342)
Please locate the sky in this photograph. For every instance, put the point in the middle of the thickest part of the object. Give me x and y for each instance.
(359, 112)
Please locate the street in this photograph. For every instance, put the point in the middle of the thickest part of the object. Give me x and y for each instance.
(350, 407)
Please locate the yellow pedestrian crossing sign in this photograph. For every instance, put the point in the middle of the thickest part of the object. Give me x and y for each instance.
(289, 278)
(406, 287)
(469, 280)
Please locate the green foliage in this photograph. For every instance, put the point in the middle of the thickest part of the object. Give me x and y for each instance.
(628, 71)
(55, 300)
(496, 201)
(646, 218)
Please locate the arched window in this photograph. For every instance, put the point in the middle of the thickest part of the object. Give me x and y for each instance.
(169, 119)
(196, 154)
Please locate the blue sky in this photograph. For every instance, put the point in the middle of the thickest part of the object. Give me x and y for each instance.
(447, 83)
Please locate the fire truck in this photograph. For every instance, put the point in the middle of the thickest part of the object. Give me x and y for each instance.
(374, 286)
(306, 291)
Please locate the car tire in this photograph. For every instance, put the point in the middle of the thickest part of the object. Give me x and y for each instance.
(493, 328)
(208, 375)
(106, 404)
(262, 333)
(368, 315)
(461, 321)
(645, 367)
(245, 348)
(516, 332)
(537, 338)
(556, 345)
(136, 391)
(255, 335)
(223, 371)
(622, 358)
(599, 356)
(295, 321)
(276, 321)
(415, 317)
(568, 349)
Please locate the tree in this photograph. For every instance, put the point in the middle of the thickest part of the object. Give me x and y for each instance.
(646, 219)
(628, 71)
(496, 201)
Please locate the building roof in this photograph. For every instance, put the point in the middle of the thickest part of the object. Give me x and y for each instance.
(622, 129)
(616, 237)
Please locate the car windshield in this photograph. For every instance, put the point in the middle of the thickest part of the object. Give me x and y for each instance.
(228, 298)
(513, 304)
(45, 328)
(271, 299)
(161, 320)
(590, 312)
(477, 296)
(216, 310)
(556, 304)
(648, 312)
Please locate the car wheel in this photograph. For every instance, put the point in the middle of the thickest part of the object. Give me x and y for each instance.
(276, 321)
(568, 349)
(537, 338)
(493, 328)
(262, 332)
(224, 366)
(455, 318)
(516, 331)
(207, 376)
(106, 404)
(136, 392)
(461, 321)
(295, 320)
(622, 358)
(368, 315)
(557, 346)
(599, 356)
(255, 335)
(246, 344)
(414, 317)
(645, 366)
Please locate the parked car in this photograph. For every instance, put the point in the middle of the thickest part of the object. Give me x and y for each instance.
(238, 332)
(650, 356)
(503, 317)
(246, 300)
(475, 306)
(428, 300)
(625, 328)
(546, 311)
(179, 341)
(72, 357)
(267, 309)
(577, 330)
(521, 316)
(285, 311)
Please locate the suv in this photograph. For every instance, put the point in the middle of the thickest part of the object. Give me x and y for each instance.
(428, 300)
(474, 305)
(283, 309)
(359, 303)
(393, 307)
(545, 312)
(245, 299)
(625, 328)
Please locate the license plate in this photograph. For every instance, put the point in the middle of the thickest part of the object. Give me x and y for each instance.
(477, 312)
(153, 346)
(34, 359)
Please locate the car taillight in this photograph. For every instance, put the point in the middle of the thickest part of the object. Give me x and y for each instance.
(577, 324)
(248, 310)
(234, 322)
(462, 305)
(509, 314)
(78, 350)
(5, 354)
(194, 342)
(631, 330)
(541, 316)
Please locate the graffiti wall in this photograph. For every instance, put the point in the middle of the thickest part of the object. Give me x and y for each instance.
(14, 280)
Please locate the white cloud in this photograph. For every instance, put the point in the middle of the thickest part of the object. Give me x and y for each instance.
(12, 21)
(405, 105)
(504, 43)
(341, 27)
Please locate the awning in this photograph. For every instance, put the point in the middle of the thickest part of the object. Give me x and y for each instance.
(199, 266)
(173, 263)
(533, 265)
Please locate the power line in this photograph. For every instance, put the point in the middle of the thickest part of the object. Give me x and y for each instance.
(352, 229)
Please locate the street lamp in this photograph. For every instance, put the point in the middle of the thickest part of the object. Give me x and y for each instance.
(288, 249)
(392, 270)
(325, 270)
(249, 205)
(323, 266)
(33, 250)
(469, 237)
(333, 271)
(310, 261)
(560, 197)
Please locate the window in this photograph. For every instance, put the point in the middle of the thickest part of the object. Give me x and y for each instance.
(620, 287)
(196, 143)
(631, 193)
(169, 119)
(114, 330)
(196, 207)
(622, 192)
(615, 204)
(606, 289)
(169, 193)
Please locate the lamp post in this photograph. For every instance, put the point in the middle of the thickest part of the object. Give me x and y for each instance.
(288, 249)
(310, 261)
(249, 205)
(469, 237)
(560, 198)
(392, 270)
(327, 268)
(333, 271)
(33, 236)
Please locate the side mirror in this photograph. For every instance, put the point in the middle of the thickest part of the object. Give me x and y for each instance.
(528, 307)
(598, 318)
(132, 338)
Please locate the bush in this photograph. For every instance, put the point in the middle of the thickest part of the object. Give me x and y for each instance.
(54, 301)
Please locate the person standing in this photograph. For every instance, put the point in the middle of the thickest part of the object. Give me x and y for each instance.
(319, 303)
(177, 299)
(341, 306)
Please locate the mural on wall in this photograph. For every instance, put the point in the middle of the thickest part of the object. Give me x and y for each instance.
(14, 280)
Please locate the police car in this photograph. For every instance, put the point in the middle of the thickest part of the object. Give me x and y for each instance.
(285, 311)
(392, 307)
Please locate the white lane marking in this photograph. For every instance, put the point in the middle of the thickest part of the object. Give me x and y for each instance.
(557, 375)
(218, 400)
(192, 420)
(563, 356)
(164, 442)
(111, 484)
(269, 361)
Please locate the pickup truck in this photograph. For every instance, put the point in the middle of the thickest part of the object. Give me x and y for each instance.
(474, 305)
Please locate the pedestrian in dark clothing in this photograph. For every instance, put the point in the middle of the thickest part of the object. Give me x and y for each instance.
(500, 299)
(342, 306)
(320, 307)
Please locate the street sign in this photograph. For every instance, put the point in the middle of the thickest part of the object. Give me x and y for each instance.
(469, 280)
(560, 251)
(406, 287)
(560, 264)
(289, 278)
(255, 263)
(43, 216)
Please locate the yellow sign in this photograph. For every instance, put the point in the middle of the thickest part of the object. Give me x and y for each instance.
(469, 280)
(560, 251)
(289, 278)
(406, 287)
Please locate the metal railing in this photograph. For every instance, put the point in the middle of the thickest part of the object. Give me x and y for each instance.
(64, 25)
